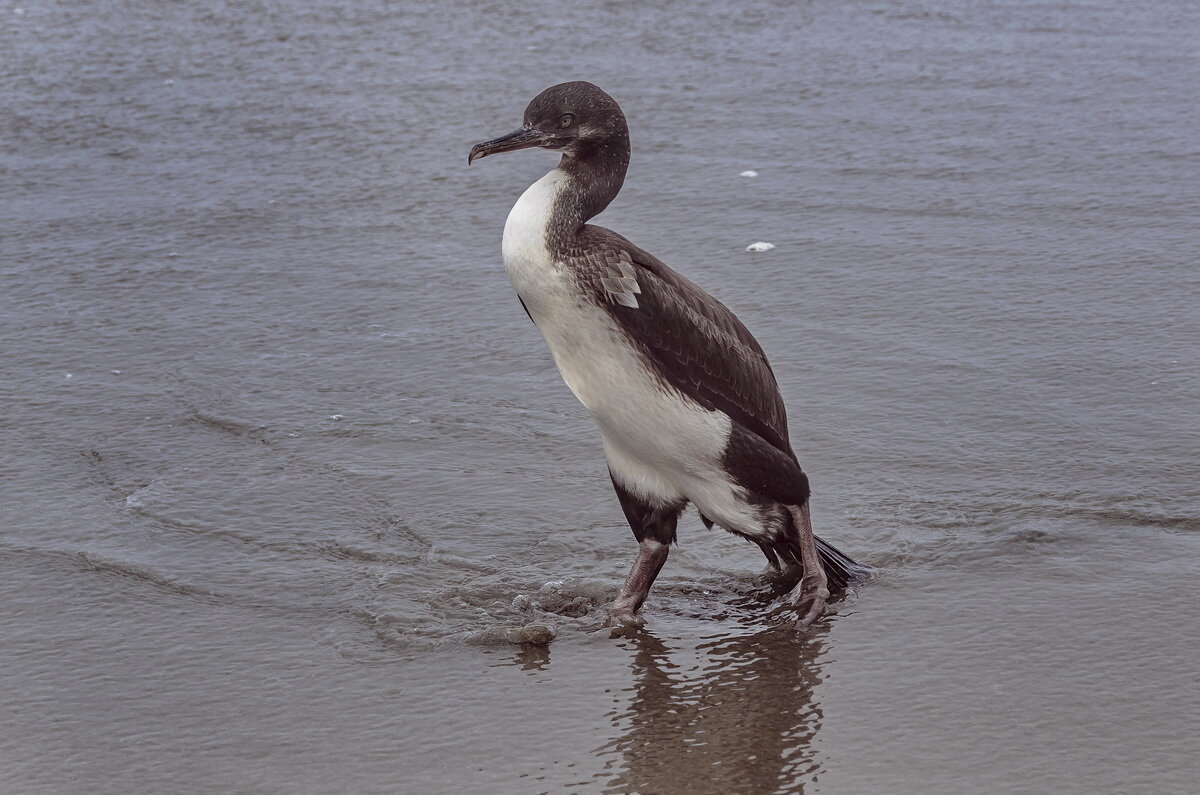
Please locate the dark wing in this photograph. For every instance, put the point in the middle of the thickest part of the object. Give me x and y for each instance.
(697, 344)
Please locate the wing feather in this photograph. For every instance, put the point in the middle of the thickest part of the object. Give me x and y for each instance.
(694, 341)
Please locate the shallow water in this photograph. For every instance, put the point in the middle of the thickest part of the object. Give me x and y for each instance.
(285, 465)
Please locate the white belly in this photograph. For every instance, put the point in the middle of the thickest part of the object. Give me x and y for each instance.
(660, 444)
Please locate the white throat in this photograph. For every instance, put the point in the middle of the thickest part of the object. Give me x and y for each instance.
(526, 229)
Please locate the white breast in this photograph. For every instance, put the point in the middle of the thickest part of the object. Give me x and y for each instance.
(525, 253)
(659, 443)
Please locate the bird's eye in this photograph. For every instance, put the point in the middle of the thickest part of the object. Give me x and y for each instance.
(567, 120)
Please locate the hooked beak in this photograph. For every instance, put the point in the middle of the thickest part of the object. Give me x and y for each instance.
(523, 138)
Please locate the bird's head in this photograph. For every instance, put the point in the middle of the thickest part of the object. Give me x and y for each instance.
(574, 118)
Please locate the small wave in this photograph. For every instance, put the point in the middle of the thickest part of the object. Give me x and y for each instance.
(500, 611)
(573, 598)
(89, 561)
(1146, 512)
(503, 611)
(536, 634)
(338, 550)
(434, 555)
(238, 427)
(1136, 516)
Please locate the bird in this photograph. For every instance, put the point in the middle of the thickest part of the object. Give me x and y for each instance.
(687, 405)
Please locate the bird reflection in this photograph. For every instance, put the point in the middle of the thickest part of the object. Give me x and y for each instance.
(741, 720)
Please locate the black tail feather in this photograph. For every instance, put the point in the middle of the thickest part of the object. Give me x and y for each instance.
(840, 569)
(782, 550)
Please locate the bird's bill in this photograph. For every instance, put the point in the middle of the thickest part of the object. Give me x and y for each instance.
(523, 138)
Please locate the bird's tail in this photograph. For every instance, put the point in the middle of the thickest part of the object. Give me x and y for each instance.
(840, 568)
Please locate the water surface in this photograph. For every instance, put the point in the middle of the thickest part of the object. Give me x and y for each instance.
(283, 459)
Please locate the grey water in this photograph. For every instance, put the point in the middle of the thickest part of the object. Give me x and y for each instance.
(285, 468)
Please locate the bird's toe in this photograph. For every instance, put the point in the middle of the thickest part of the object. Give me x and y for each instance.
(809, 599)
(623, 617)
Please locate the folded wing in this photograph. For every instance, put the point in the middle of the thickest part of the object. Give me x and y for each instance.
(697, 345)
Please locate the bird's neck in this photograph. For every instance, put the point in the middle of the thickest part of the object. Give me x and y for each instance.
(592, 178)
(546, 221)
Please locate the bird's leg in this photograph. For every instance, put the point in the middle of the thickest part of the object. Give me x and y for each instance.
(651, 557)
(653, 523)
(813, 589)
